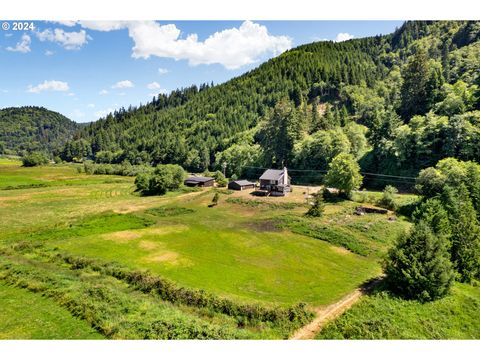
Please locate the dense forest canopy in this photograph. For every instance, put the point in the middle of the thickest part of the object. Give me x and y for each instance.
(30, 128)
(397, 103)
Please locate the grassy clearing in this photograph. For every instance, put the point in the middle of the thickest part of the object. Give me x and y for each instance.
(234, 251)
(382, 316)
(215, 250)
(368, 235)
(26, 315)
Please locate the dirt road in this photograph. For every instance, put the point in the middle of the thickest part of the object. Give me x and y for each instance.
(332, 311)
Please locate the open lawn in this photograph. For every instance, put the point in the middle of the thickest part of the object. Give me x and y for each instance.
(259, 253)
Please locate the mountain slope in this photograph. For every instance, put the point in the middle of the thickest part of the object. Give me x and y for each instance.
(326, 91)
(32, 128)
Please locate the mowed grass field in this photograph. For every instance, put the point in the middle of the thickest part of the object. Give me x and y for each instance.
(79, 242)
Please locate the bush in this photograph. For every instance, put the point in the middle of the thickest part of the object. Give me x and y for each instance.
(218, 176)
(34, 159)
(164, 178)
(419, 266)
(123, 169)
(388, 198)
(318, 206)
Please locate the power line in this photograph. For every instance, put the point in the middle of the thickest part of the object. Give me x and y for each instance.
(325, 171)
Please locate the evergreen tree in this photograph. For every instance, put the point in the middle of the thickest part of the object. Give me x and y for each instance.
(281, 131)
(433, 213)
(465, 233)
(416, 85)
(419, 266)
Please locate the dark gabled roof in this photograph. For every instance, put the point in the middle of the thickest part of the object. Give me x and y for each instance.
(199, 179)
(242, 182)
(271, 174)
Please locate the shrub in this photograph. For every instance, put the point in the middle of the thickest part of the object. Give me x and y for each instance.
(318, 206)
(419, 266)
(164, 178)
(388, 198)
(34, 159)
(218, 176)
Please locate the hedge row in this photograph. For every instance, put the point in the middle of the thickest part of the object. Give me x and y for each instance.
(144, 281)
(266, 204)
(110, 311)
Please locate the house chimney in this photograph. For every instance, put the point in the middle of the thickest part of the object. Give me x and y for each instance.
(285, 176)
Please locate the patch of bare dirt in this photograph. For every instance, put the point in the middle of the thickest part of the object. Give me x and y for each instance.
(148, 245)
(122, 236)
(340, 250)
(264, 226)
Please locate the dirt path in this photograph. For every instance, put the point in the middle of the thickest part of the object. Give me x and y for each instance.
(332, 311)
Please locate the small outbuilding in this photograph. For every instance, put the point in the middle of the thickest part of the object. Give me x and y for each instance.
(199, 181)
(241, 185)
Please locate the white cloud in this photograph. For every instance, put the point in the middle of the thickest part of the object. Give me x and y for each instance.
(22, 46)
(49, 53)
(124, 84)
(162, 71)
(68, 23)
(71, 94)
(91, 106)
(69, 40)
(48, 85)
(103, 113)
(103, 92)
(105, 25)
(343, 37)
(231, 48)
(153, 86)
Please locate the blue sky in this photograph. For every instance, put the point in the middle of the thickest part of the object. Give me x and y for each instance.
(86, 69)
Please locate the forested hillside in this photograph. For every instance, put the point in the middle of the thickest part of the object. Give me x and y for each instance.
(398, 103)
(31, 128)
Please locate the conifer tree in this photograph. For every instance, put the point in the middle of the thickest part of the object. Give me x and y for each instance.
(419, 266)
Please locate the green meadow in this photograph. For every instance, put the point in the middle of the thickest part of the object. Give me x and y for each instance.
(382, 316)
(26, 315)
(124, 266)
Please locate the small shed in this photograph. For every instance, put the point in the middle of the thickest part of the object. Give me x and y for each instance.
(199, 181)
(241, 185)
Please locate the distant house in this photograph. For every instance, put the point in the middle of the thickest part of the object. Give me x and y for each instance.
(199, 181)
(241, 185)
(275, 182)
